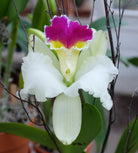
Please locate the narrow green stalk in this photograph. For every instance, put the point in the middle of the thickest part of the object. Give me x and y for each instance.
(11, 49)
(0, 56)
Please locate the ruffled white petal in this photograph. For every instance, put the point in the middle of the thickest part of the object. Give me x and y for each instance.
(40, 77)
(97, 46)
(94, 77)
(67, 114)
(37, 45)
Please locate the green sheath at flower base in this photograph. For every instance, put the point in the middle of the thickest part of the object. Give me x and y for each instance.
(80, 63)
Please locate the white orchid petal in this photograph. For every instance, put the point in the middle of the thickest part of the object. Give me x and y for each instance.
(67, 116)
(37, 45)
(41, 78)
(94, 77)
(97, 46)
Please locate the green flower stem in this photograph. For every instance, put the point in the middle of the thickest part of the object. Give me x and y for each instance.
(0, 56)
(11, 49)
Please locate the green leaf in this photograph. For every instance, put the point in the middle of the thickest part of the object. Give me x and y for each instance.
(32, 133)
(21, 36)
(96, 102)
(21, 82)
(91, 125)
(4, 4)
(53, 6)
(124, 60)
(100, 24)
(133, 61)
(47, 110)
(40, 17)
(11, 11)
(133, 142)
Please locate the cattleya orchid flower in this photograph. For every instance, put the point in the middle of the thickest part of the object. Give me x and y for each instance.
(65, 58)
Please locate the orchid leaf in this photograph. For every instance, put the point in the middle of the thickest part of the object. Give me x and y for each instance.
(133, 61)
(91, 125)
(40, 16)
(32, 133)
(4, 4)
(100, 24)
(130, 145)
(124, 60)
(96, 102)
(11, 11)
(21, 36)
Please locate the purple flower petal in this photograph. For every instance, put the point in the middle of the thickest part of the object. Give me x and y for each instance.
(67, 32)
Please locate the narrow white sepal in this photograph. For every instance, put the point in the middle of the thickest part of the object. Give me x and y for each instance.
(67, 116)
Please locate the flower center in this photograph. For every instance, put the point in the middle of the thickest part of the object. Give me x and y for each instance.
(68, 62)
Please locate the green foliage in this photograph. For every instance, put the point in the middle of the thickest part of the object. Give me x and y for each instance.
(32, 133)
(21, 37)
(11, 11)
(125, 60)
(47, 110)
(4, 4)
(132, 142)
(21, 83)
(96, 102)
(40, 16)
(91, 125)
(8, 9)
(133, 61)
(100, 24)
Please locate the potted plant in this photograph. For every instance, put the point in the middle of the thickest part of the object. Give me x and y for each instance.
(67, 67)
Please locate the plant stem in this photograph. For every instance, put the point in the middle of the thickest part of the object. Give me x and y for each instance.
(11, 49)
(109, 30)
(0, 57)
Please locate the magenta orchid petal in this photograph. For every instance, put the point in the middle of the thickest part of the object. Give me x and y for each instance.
(68, 33)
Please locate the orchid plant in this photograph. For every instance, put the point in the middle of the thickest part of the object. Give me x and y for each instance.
(66, 64)
(65, 58)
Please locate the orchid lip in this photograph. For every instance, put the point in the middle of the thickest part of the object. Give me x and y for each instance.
(67, 32)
